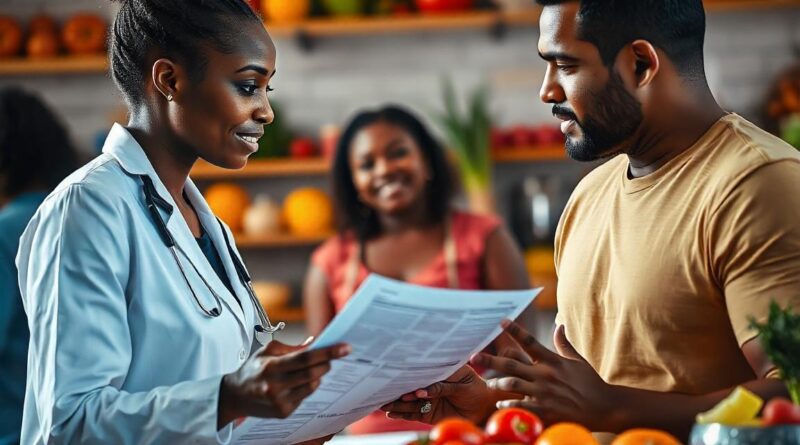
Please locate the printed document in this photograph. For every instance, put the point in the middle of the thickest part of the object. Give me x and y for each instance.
(403, 337)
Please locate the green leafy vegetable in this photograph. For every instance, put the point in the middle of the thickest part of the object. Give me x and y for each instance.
(468, 135)
(780, 336)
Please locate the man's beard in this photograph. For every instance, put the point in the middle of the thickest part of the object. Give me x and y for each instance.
(613, 116)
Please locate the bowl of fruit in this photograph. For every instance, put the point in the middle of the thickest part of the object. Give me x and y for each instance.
(734, 420)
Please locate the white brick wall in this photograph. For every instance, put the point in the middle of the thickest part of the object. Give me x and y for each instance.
(744, 51)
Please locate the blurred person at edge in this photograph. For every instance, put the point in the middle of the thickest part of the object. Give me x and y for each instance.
(35, 155)
(664, 252)
(392, 187)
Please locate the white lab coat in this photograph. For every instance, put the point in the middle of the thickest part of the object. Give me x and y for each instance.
(120, 353)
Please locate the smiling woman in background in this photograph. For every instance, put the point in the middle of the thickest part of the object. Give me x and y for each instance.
(35, 155)
(392, 187)
(143, 322)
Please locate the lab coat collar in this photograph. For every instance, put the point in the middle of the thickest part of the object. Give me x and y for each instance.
(131, 157)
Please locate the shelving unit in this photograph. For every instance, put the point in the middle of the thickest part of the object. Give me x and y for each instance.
(495, 21)
(57, 65)
(276, 167)
(321, 27)
(289, 314)
(279, 240)
(260, 168)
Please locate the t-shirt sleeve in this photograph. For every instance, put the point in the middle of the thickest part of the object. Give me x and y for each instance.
(754, 242)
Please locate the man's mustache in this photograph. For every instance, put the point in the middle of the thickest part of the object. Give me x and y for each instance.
(559, 110)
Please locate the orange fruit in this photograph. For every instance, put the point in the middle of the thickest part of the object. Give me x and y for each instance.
(308, 211)
(643, 436)
(229, 202)
(282, 11)
(566, 433)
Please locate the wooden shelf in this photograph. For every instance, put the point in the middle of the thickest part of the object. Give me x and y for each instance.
(744, 5)
(279, 240)
(287, 315)
(319, 27)
(403, 23)
(56, 65)
(263, 168)
(533, 154)
(259, 168)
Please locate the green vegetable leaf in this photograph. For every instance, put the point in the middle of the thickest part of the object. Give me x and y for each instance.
(780, 337)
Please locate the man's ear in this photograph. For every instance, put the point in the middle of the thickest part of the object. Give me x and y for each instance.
(647, 62)
(165, 75)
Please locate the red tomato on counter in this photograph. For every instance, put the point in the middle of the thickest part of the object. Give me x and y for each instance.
(456, 430)
(513, 425)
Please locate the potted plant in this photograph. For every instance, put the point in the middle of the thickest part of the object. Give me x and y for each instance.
(468, 136)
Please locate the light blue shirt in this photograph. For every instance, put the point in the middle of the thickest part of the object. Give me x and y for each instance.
(13, 324)
(120, 352)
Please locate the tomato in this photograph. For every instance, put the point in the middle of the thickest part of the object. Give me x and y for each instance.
(780, 411)
(84, 34)
(10, 36)
(455, 429)
(513, 425)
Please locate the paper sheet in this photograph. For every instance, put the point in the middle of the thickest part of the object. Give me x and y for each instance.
(404, 337)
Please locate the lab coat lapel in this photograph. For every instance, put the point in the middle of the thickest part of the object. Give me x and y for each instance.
(132, 158)
(212, 227)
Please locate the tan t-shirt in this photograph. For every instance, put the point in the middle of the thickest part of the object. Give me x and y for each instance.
(658, 276)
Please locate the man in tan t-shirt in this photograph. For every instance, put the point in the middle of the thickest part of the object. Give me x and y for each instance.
(664, 252)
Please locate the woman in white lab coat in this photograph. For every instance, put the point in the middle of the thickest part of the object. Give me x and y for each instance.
(143, 326)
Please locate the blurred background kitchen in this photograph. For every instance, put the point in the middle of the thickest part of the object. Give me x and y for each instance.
(338, 56)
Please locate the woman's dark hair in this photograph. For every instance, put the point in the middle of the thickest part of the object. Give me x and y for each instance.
(146, 29)
(35, 149)
(352, 214)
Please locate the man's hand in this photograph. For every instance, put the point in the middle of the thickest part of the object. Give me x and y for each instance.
(464, 394)
(556, 387)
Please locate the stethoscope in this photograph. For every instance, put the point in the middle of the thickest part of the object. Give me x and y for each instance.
(264, 329)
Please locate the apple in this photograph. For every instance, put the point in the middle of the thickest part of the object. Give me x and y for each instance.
(302, 148)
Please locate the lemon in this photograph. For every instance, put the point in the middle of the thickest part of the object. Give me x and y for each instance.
(739, 408)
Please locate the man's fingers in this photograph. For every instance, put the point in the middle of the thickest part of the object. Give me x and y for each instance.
(529, 343)
(517, 354)
(509, 366)
(439, 389)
